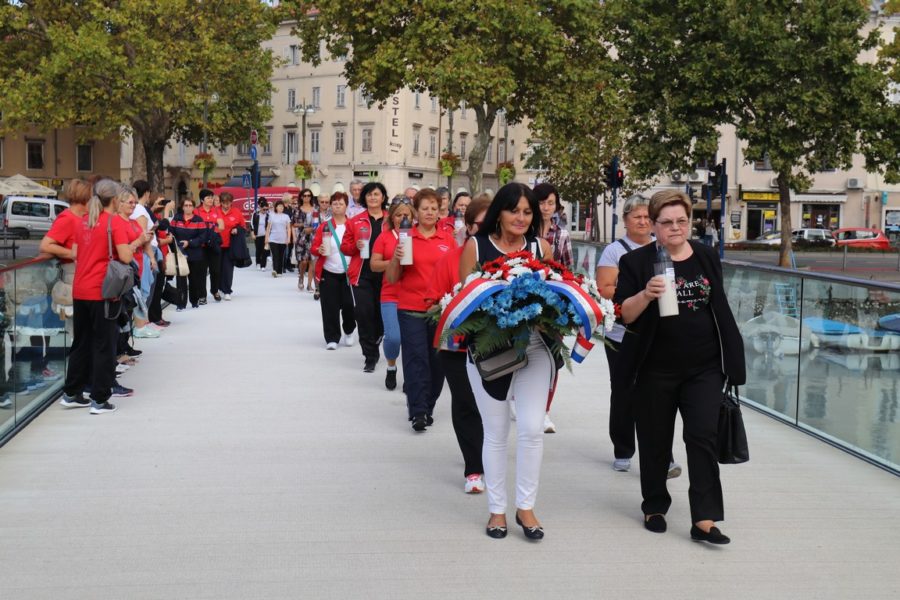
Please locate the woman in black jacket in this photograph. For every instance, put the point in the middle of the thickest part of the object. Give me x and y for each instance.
(678, 363)
(191, 235)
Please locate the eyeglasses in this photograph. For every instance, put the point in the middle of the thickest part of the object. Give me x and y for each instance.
(307, 195)
(401, 200)
(668, 223)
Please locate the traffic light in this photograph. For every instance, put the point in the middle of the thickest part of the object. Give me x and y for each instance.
(610, 175)
(691, 192)
(254, 175)
(716, 177)
(620, 178)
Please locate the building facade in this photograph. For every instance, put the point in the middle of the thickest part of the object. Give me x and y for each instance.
(52, 158)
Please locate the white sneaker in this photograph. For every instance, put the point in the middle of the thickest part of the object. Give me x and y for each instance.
(331, 346)
(549, 427)
(674, 470)
(348, 339)
(146, 332)
(227, 296)
(622, 464)
(474, 483)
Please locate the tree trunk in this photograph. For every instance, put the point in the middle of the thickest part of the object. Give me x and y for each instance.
(485, 117)
(138, 157)
(784, 194)
(156, 176)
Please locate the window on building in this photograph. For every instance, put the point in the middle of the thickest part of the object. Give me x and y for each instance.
(339, 140)
(316, 97)
(341, 96)
(432, 144)
(462, 109)
(267, 145)
(462, 146)
(367, 139)
(294, 54)
(243, 149)
(35, 154)
(489, 155)
(289, 147)
(292, 99)
(315, 135)
(762, 165)
(417, 133)
(502, 148)
(365, 98)
(84, 158)
(434, 104)
(418, 99)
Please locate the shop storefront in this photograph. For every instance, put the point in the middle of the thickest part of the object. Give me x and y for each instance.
(820, 211)
(762, 213)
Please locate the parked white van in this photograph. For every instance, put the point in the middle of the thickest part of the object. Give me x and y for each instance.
(26, 217)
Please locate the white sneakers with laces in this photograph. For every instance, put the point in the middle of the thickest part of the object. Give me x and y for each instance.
(331, 346)
(549, 427)
(348, 339)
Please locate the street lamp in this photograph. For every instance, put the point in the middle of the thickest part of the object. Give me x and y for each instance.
(212, 99)
(302, 110)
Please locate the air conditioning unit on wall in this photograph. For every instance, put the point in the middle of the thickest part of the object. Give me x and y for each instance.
(700, 176)
(854, 183)
(676, 176)
(773, 183)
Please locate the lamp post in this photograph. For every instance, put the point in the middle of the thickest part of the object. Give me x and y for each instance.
(203, 145)
(302, 110)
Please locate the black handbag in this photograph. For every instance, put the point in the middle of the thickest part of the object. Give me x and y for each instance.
(504, 361)
(732, 438)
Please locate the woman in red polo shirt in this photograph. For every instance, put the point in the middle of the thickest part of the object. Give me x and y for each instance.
(62, 242)
(234, 222)
(333, 273)
(92, 359)
(422, 372)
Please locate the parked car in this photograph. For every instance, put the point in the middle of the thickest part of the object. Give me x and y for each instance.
(813, 237)
(24, 216)
(773, 238)
(862, 237)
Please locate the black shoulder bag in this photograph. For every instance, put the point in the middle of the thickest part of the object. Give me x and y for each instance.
(732, 438)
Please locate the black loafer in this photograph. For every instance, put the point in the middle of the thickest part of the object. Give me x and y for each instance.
(498, 533)
(532, 533)
(418, 424)
(655, 523)
(390, 380)
(713, 536)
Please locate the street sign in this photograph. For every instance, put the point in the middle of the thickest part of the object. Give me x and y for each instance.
(253, 152)
(245, 180)
(254, 138)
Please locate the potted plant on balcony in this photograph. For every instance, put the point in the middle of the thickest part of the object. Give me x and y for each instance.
(303, 169)
(205, 162)
(449, 163)
(505, 172)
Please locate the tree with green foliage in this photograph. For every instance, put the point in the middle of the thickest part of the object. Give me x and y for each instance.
(493, 54)
(789, 76)
(147, 67)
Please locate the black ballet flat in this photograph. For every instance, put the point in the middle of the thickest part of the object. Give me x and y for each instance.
(714, 536)
(532, 533)
(498, 533)
(655, 523)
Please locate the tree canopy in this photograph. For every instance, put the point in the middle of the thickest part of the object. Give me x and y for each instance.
(151, 67)
(493, 54)
(790, 76)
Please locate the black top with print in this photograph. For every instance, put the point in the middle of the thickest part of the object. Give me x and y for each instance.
(690, 338)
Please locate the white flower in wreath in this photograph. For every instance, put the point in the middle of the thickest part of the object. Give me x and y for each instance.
(445, 301)
(517, 271)
(554, 276)
(609, 313)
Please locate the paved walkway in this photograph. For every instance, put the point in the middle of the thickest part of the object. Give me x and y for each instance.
(252, 463)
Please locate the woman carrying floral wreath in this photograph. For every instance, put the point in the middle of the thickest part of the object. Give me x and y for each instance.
(511, 226)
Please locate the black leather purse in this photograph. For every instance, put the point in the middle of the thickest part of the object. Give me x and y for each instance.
(504, 361)
(732, 438)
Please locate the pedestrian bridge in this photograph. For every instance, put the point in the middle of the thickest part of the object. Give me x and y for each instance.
(253, 463)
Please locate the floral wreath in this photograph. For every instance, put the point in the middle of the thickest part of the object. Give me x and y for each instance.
(303, 169)
(502, 302)
(449, 163)
(205, 162)
(506, 171)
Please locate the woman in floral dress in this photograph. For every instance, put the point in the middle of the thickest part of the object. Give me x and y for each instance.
(304, 229)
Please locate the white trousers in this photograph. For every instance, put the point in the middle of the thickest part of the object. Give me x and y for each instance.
(530, 387)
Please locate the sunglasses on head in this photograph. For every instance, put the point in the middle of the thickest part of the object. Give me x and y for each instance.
(401, 200)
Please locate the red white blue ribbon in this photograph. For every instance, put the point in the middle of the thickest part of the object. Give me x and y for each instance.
(586, 307)
(468, 300)
(581, 348)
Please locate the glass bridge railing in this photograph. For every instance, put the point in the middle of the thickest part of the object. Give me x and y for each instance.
(35, 342)
(823, 352)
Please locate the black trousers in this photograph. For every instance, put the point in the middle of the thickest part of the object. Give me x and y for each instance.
(226, 272)
(213, 263)
(697, 394)
(262, 255)
(466, 418)
(368, 315)
(288, 265)
(92, 358)
(621, 416)
(336, 302)
(193, 286)
(277, 256)
(154, 308)
(423, 377)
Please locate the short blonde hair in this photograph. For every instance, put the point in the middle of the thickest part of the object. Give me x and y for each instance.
(665, 198)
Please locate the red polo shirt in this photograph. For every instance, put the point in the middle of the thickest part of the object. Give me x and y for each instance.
(67, 230)
(385, 246)
(415, 279)
(233, 218)
(134, 232)
(212, 216)
(93, 249)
